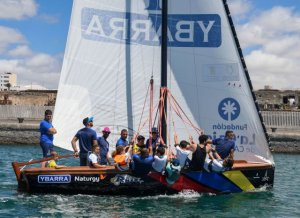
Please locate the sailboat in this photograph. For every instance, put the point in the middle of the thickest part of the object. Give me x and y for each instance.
(113, 48)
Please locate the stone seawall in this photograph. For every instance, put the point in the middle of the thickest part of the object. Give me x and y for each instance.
(285, 143)
(12, 132)
(19, 133)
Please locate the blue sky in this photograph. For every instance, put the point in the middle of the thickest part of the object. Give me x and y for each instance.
(33, 35)
(47, 31)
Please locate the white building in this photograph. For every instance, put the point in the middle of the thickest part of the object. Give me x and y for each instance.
(28, 87)
(7, 78)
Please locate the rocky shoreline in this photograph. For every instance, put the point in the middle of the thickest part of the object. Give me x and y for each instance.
(28, 133)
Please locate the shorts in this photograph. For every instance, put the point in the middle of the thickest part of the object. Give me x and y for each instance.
(47, 148)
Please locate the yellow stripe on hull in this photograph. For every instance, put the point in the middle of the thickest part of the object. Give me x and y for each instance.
(239, 179)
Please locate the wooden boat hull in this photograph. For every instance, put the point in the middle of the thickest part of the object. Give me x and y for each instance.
(108, 181)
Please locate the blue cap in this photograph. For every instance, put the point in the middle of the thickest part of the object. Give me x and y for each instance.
(91, 119)
(176, 164)
(154, 130)
(87, 120)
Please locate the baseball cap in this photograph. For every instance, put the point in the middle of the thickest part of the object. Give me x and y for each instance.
(154, 130)
(87, 120)
(175, 164)
(106, 129)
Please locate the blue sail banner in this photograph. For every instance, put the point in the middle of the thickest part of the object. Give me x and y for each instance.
(184, 30)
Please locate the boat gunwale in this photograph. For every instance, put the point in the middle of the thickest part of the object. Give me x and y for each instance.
(113, 170)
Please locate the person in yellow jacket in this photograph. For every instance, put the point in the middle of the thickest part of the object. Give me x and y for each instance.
(139, 145)
(53, 162)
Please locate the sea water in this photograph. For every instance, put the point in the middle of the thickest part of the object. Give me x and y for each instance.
(282, 201)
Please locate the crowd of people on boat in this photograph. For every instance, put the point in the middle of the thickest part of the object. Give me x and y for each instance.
(210, 155)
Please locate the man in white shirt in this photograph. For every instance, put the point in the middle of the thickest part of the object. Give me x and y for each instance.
(214, 163)
(182, 150)
(160, 160)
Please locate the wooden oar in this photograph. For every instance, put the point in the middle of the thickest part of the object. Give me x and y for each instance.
(16, 166)
(41, 160)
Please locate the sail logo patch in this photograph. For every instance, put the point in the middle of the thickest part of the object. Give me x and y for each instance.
(229, 109)
(125, 179)
(184, 30)
(54, 179)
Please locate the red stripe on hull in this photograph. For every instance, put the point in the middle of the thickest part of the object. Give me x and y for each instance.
(183, 183)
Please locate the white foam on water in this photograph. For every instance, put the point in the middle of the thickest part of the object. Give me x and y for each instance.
(185, 194)
(260, 189)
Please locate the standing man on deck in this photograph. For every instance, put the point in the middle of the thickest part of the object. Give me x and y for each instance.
(123, 139)
(47, 131)
(87, 138)
(104, 147)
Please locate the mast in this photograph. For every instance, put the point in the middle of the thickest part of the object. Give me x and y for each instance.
(164, 61)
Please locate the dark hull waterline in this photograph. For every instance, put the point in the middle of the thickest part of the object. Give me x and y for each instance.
(109, 181)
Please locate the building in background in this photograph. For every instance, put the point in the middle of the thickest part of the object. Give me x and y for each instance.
(7, 81)
(28, 87)
(273, 99)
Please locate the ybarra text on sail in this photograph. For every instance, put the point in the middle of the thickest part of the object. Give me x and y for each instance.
(184, 30)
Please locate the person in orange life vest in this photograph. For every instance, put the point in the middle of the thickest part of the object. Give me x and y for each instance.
(122, 157)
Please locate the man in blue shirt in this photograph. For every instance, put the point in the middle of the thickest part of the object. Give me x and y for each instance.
(225, 146)
(123, 140)
(156, 143)
(104, 146)
(87, 137)
(47, 131)
(142, 163)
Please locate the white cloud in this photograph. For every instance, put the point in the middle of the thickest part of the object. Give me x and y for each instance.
(16, 55)
(20, 51)
(272, 38)
(17, 9)
(41, 69)
(279, 72)
(9, 36)
(239, 8)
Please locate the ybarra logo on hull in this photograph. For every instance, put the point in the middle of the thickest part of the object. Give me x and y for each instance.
(192, 30)
(54, 178)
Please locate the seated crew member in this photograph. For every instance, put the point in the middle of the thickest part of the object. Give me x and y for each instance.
(94, 157)
(142, 162)
(225, 146)
(123, 139)
(53, 163)
(156, 142)
(160, 160)
(172, 171)
(122, 158)
(182, 150)
(214, 163)
(139, 145)
(199, 152)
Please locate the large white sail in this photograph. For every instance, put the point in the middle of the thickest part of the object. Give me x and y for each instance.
(106, 71)
(207, 76)
(113, 50)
